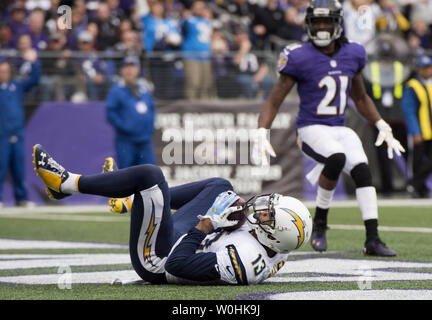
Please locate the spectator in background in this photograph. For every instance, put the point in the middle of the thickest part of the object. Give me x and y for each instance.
(17, 21)
(94, 73)
(107, 25)
(266, 22)
(173, 9)
(51, 13)
(22, 66)
(252, 73)
(241, 8)
(384, 83)
(160, 36)
(196, 48)
(5, 36)
(12, 127)
(417, 108)
(130, 45)
(58, 69)
(360, 18)
(37, 33)
(220, 64)
(391, 19)
(131, 111)
(42, 4)
(422, 32)
(292, 28)
(421, 11)
(116, 12)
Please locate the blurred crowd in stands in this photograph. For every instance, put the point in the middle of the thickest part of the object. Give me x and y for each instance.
(189, 49)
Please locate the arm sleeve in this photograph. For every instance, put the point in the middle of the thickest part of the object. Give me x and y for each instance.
(410, 105)
(33, 78)
(183, 262)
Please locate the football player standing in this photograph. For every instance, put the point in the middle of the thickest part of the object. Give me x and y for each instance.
(327, 70)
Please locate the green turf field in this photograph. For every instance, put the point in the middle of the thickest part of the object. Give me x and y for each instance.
(24, 265)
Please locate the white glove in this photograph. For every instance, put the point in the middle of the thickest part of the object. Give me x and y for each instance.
(261, 147)
(221, 220)
(385, 134)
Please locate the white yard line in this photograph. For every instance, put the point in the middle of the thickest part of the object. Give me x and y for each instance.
(381, 228)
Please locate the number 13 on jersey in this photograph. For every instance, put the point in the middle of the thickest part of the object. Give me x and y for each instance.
(333, 88)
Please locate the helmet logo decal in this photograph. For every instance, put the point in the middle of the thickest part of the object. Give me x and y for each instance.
(299, 225)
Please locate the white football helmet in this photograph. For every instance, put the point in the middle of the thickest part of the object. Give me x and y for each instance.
(289, 226)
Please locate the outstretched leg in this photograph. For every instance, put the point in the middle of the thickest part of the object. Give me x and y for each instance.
(151, 230)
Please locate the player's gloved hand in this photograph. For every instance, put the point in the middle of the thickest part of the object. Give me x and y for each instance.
(220, 210)
(221, 220)
(223, 201)
(385, 134)
(261, 147)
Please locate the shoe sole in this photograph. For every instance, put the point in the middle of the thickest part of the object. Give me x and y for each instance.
(365, 253)
(52, 194)
(108, 165)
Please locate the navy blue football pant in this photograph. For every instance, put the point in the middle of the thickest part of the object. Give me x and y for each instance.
(154, 229)
(131, 153)
(12, 159)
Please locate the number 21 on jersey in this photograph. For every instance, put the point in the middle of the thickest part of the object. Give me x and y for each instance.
(333, 87)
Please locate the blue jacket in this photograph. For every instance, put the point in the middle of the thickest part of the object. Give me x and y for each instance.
(155, 32)
(132, 117)
(196, 38)
(411, 104)
(12, 113)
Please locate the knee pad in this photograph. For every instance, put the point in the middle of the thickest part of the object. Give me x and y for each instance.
(334, 166)
(361, 175)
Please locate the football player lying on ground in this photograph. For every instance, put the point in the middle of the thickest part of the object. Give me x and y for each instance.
(198, 243)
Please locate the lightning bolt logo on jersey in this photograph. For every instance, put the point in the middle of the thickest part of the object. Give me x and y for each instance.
(241, 258)
(323, 82)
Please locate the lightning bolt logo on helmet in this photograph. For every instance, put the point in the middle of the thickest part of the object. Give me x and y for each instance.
(298, 222)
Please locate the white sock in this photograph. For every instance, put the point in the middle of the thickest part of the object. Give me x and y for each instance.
(367, 200)
(70, 185)
(324, 198)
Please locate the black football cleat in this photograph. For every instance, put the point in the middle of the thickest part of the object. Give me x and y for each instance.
(51, 173)
(318, 237)
(377, 248)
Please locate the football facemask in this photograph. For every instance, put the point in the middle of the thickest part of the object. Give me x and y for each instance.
(280, 223)
(322, 34)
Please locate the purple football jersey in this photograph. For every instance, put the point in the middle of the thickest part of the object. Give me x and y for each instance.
(323, 82)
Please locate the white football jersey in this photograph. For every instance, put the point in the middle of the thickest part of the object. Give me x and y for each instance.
(241, 258)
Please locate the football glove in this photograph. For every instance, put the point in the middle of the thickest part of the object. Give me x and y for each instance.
(261, 147)
(220, 210)
(221, 220)
(385, 134)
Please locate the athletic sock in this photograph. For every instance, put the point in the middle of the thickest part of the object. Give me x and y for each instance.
(320, 217)
(70, 185)
(324, 198)
(367, 200)
(371, 229)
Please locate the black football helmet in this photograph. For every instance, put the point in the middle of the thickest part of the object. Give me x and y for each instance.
(329, 9)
